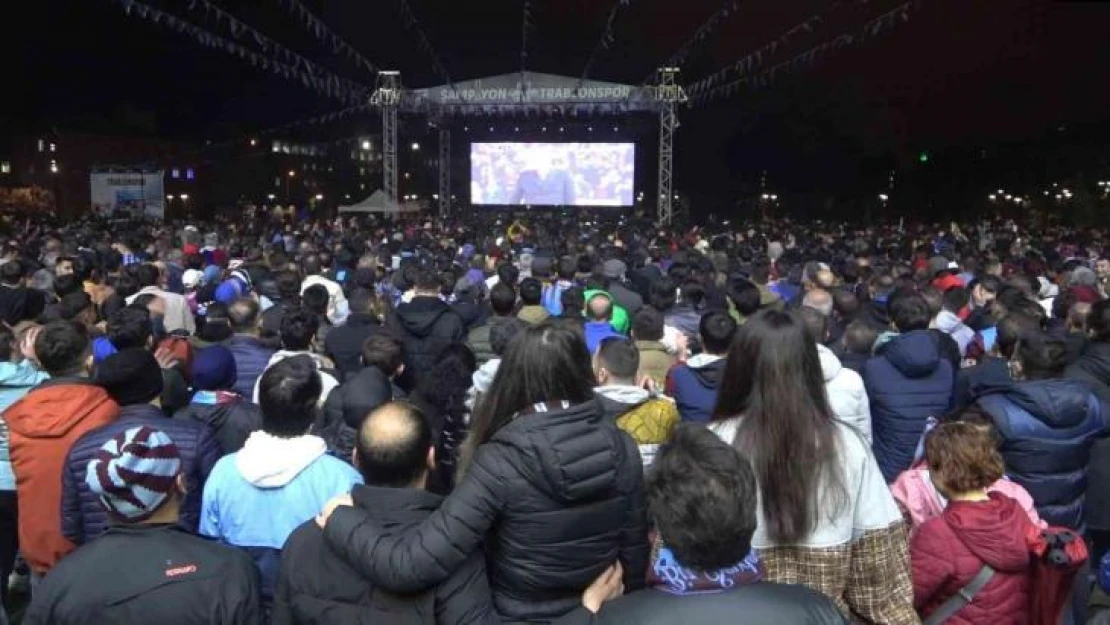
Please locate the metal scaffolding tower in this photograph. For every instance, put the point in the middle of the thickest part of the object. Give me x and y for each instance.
(669, 94)
(444, 169)
(387, 96)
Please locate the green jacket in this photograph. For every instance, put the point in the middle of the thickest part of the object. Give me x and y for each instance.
(620, 321)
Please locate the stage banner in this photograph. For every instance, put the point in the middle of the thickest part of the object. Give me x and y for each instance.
(135, 194)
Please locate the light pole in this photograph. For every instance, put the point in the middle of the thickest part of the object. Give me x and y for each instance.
(290, 175)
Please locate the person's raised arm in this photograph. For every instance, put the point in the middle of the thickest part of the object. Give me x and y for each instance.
(429, 553)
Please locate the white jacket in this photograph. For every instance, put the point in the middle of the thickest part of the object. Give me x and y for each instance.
(847, 395)
(337, 302)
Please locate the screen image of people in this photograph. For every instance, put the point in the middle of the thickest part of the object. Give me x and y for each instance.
(552, 174)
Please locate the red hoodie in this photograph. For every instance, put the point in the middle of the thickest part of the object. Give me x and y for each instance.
(43, 426)
(948, 551)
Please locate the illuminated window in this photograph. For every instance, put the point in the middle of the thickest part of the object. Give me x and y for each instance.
(42, 145)
(275, 146)
(53, 148)
(175, 173)
(5, 167)
(190, 174)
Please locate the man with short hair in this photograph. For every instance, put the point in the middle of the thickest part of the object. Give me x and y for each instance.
(647, 331)
(424, 325)
(42, 427)
(287, 285)
(394, 452)
(133, 380)
(502, 300)
(599, 315)
(694, 384)
(646, 417)
(283, 475)
(251, 354)
(298, 331)
(145, 568)
(703, 497)
(344, 342)
(531, 312)
(552, 293)
(363, 392)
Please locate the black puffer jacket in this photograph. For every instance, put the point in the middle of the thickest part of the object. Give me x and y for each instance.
(1093, 367)
(556, 497)
(760, 604)
(231, 417)
(424, 326)
(349, 404)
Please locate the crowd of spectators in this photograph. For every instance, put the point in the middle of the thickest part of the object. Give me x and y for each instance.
(559, 420)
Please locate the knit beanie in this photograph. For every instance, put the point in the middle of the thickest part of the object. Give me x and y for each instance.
(214, 369)
(131, 376)
(134, 472)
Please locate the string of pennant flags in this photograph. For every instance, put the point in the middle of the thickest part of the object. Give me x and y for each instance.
(320, 30)
(279, 62)
(700, 34)
(755, 59)
(240, 29)
(525, 26)
(606, 40)
(871, 28)
(408, 19)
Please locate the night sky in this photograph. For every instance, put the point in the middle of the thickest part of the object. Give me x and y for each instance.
(959, 75)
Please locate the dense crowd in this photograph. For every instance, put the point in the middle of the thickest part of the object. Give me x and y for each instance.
(581, 419)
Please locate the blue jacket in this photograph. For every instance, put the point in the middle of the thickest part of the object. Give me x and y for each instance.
(908, 381)
(257, 496)
(598, 331)
(1047, 429)
(251, 357)
(83, 516)
(15, 381)
(695, 389)
(552, 297)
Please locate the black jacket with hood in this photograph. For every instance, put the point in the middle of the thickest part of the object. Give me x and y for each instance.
(556, 497)
(1093, 367)
(317, 587)
(349, 404)
(231, 417)
(764, 603)
(424, 326)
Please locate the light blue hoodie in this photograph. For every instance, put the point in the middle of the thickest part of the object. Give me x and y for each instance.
(15, 380)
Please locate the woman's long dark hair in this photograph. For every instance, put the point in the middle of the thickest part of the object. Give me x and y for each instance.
(545, 363)
(773, 382)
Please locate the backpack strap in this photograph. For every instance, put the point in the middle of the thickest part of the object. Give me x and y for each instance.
(962, 597)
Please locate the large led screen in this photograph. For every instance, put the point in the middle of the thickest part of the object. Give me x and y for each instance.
(552, 174)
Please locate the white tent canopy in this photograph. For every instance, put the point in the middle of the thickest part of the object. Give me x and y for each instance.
(379, 203)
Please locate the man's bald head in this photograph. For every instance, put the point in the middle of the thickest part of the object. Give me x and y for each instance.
(600, 308)
(394, 446)
(819, 300)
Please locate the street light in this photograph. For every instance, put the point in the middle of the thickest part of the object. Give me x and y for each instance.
(254, 142)
(992, 197)
(415, 146)
(319, 196)
(884, 197)
(270, 196)
(292, 173)
(169, 197)
(184, 196)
